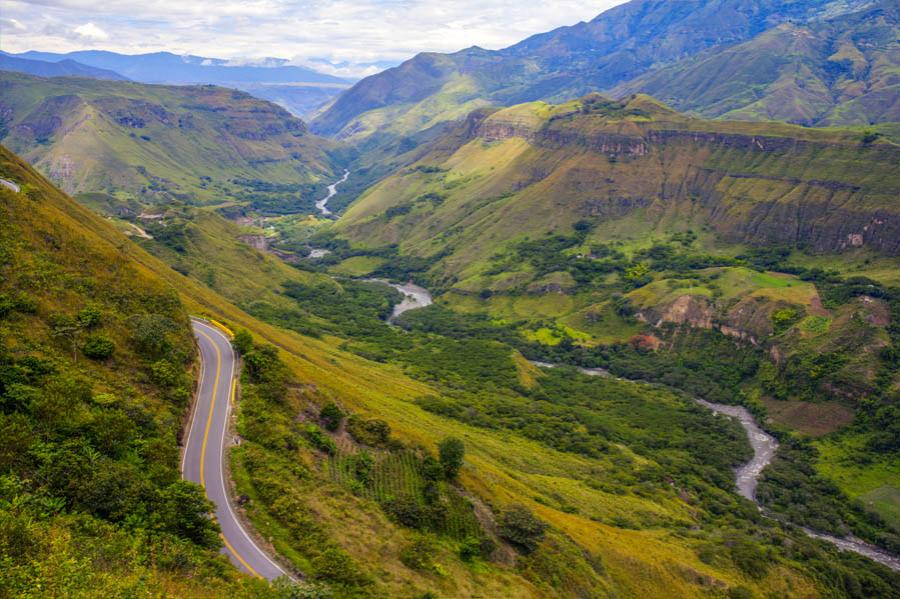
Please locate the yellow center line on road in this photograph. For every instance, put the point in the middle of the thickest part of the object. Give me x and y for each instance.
(239, 558)
(212, 405)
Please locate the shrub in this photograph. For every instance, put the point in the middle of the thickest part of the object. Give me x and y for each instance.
(451, 451)
(98, 347)
(243, 341)
(405, 510)
(90, 317)
(417, 555)
(373, 432)
(331, 416)
(520, 527)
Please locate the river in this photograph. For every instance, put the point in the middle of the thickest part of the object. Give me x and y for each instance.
(413, 297)
(746, 476)
(322, 205)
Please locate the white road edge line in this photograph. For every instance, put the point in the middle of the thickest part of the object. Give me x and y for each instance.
(225, 492)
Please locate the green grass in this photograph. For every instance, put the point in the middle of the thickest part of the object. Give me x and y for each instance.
(874, 484)
(358, 266)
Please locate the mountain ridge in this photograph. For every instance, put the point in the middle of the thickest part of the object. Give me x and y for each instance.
(617, 46)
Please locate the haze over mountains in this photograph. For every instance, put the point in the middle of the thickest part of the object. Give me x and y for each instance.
(641, 46)
(296, 88)
(621, 233)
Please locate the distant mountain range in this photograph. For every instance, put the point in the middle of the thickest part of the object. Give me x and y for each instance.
(63, 68)
(159, 143)
(297, 89)
(806, 61)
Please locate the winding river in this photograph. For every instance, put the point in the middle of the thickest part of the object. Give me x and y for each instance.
(746, 476)
(322, 205)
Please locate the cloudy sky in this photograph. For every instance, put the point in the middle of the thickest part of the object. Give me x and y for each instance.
(343, 37)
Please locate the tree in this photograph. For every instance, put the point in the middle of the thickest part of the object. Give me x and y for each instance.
(451, 451)
(243, 341)
(98, 347)
(90, 317)
(184, 510)
(331, 416)
(67, 327)
(520, 527)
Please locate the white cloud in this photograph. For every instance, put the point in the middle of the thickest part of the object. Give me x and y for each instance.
(15, 25)
(91, 32)
(344, 37)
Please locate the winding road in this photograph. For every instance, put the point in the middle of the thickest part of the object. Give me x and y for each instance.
(204, 451)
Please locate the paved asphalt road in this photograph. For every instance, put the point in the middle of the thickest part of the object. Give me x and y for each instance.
(9, 185)
(205, 449)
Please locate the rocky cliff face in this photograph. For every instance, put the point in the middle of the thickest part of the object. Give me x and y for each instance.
(756, 187)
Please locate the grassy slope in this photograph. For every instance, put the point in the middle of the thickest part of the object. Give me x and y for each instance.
(501, 468)
(499, 187)
(65, 258)
(824, 73)
(155, 141)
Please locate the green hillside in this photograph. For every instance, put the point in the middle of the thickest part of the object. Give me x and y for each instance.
(830, 72)
(96, 362)
(599, 479)
(806, 61)
(154, 144)
(594, 231)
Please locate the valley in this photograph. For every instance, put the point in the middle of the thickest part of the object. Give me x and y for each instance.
(613, 311)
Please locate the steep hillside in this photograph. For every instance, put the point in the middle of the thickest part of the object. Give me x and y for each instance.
(95, 377)
(842, 70)
(619, 45)
(153, 143)
(617, 497)
(63, 68)
(539, 168)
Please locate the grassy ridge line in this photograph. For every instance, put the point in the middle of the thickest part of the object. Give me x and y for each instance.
(502, 468)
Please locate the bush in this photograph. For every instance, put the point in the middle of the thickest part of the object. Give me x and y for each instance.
(243, 341)
(520, 527)
(331, 416)
(98, 347)
(406, 510)
(90, 317)
(417, 555)
(373, 432)
(452, 451)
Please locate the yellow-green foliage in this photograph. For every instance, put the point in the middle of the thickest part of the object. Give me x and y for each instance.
(68, 536)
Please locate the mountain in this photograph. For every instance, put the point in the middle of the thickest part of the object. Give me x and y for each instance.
(62, 68)
(95, 375)
(90, 456)
(165, 67)
(536, 168)
(627, 236)
(155, 144)
(298, 89)
(621, 44)
(833, 71)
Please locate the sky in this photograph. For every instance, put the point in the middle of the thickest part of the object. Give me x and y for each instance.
(351, 38)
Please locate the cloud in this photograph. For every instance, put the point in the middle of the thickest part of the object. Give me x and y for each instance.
(15, 25)
(350, 38)
(91, 32)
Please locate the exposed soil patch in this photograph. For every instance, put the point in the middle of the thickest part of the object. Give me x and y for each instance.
(815, 419)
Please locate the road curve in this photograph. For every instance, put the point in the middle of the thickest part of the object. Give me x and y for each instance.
(204, 451)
